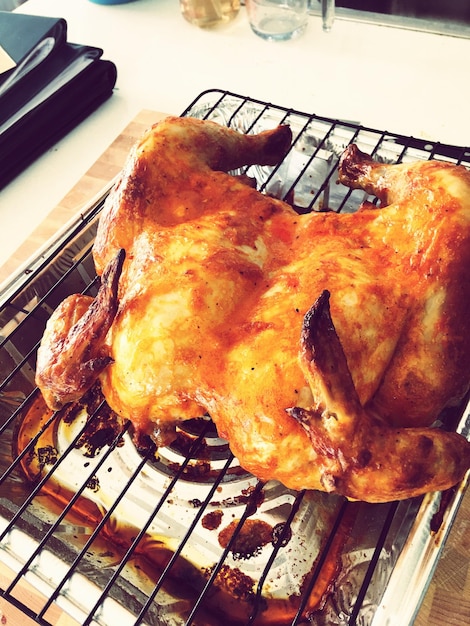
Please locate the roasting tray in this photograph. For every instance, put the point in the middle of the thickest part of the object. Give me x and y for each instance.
(113, 533)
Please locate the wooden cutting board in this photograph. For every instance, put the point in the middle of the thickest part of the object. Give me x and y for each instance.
(447, 601)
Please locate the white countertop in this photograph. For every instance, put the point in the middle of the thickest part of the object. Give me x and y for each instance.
(392, 79)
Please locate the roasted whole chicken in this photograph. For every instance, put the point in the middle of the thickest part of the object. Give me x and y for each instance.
(324, 346)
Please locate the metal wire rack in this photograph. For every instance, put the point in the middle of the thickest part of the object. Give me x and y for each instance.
(110, 532)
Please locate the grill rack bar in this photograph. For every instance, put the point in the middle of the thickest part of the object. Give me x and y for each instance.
(54, 526)
(177, 552)
(136, 541)
(88, 544)
(210, 104)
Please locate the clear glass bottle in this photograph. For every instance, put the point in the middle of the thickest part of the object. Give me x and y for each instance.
(209, 13)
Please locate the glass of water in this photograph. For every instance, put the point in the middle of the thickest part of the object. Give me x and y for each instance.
(277, 20)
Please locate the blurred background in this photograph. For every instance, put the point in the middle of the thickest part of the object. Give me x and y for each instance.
(9, 5)
(455, 10)
(444, 10)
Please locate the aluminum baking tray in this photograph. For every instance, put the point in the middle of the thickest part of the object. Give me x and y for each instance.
(114, 533)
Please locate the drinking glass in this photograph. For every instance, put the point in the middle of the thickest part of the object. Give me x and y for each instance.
(277, 20)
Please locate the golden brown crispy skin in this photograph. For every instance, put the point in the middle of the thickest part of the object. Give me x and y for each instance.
(425, 228)
(72, 352)
(214, 302)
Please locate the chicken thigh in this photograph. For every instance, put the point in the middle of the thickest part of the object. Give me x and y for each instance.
(322, 345)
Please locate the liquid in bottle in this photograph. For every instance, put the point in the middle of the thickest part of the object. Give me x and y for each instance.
(209, 13)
